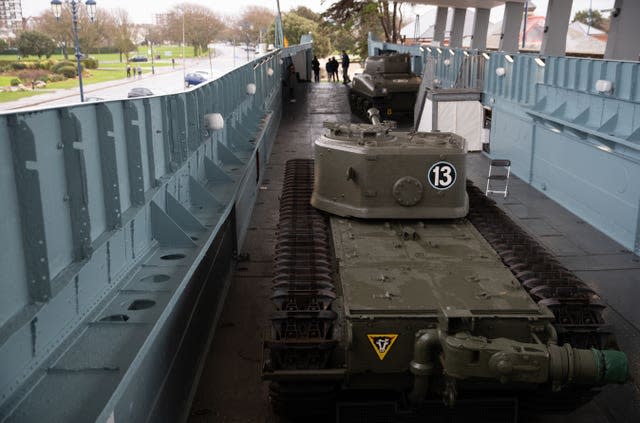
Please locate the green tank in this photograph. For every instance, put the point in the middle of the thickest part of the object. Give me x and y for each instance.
(387, 84)
(399, 288)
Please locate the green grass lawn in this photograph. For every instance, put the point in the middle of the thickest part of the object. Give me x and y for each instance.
(10, 96)
(110, 69)
(175, 51)
(90, 77)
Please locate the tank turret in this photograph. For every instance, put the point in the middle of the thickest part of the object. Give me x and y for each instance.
(368, 171)
(387, 84)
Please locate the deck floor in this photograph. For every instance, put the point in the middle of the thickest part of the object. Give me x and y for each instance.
(230, 389)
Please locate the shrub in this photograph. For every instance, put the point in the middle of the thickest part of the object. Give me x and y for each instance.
(56, 66)
(45, 64)
(68, 71)
(15, 82)
(32, 74)
(89, 63)
(18, 65)
(55, 78)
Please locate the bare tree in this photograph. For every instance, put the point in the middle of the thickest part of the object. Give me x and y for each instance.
(91, 34)
(201, 25)
(123, 32)
(254, 22)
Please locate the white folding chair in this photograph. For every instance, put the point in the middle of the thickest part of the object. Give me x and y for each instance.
(503, 168)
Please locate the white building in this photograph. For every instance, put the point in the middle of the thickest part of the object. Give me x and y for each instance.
(10, 18)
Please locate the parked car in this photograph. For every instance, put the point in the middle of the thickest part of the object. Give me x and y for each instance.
(138, 59)
(195, 78)
(140, 92)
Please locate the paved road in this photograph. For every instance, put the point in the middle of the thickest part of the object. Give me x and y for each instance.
(165, 81)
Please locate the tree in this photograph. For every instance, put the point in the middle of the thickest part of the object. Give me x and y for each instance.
(351, 12)
(349, 21)
(254, 22)
(201, 25)
(59, 30)
(3, 45)
(90, 34)
(596, 18)
(307, 13)
(294, 26)
(123, 34)
(34, 43)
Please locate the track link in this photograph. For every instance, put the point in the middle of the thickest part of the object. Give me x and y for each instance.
(303, 288)
(577, 308)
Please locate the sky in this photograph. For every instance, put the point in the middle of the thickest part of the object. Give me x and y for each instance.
(142, 11)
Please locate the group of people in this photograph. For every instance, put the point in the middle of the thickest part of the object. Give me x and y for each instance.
(332, 67)
(134, 70)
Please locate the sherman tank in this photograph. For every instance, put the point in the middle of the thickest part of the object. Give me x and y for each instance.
(400, 289)
(387, 84)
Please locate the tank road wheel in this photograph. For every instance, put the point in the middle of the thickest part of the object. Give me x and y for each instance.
(357, 105)
(353, 100)
(366, 105)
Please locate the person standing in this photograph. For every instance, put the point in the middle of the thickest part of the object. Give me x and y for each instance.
(292, 80)
(329, 67)
(315, 65)
(345, 67)
(139, 71)
(128, 70)
(334, 68)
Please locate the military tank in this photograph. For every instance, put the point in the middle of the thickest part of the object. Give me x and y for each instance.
(400, 289)
(387, 84)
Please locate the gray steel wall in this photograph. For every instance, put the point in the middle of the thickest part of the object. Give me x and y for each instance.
(120, 222)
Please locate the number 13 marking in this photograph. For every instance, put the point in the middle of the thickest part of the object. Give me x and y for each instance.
(442, 175)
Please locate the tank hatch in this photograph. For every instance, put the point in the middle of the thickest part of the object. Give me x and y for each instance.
(367, 171)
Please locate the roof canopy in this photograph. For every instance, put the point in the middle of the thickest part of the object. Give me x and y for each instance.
(485, 4)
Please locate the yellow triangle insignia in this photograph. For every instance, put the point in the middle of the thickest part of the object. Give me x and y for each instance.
(382, 343)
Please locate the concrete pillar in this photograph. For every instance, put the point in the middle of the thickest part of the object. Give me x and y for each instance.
(480, 28)
(624, 32)
(511, 25)
(457, 27)
(441, 24)
(554, 40)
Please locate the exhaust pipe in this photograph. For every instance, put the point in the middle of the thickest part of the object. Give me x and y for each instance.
(427, 341)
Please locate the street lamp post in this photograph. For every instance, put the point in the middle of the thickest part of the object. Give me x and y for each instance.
(153, 68)
(56, 7)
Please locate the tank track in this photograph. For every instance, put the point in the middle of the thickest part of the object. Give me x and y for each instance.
(303, 289)
(577, 308)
